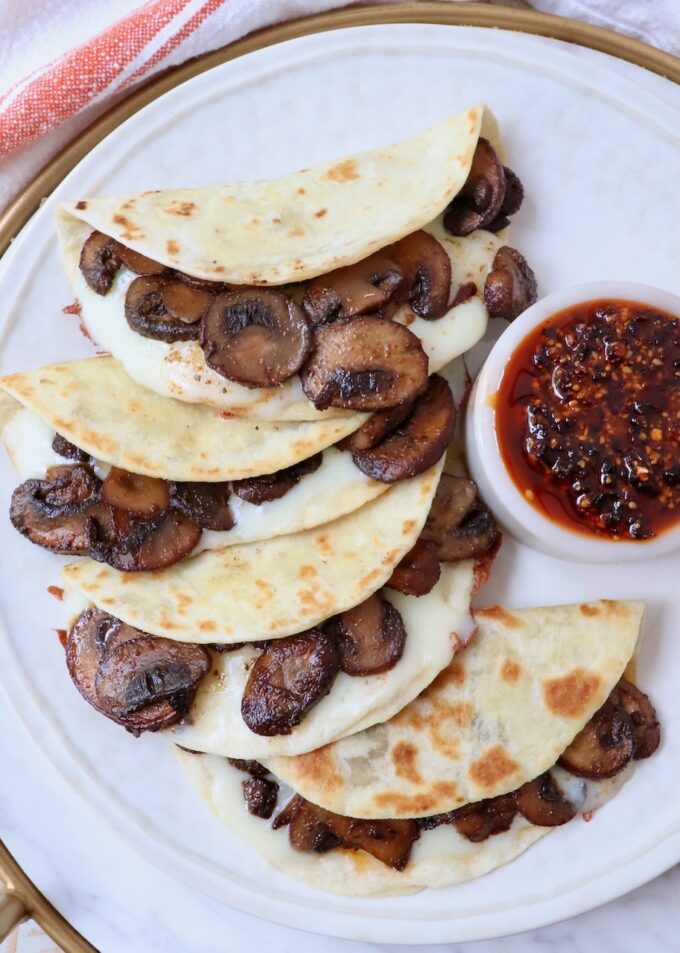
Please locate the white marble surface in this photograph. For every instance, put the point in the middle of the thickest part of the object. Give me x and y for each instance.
(122, 904)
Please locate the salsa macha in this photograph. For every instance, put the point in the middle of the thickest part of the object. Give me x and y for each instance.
(588, 418)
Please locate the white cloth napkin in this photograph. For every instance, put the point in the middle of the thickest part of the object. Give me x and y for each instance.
(64, 63)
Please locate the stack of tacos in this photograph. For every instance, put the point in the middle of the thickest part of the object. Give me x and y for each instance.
(278, 545)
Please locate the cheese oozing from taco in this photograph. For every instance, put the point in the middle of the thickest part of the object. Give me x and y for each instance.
(272, 588)
(292, 230)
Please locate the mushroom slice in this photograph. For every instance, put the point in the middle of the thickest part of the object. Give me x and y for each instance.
(253, 768)
(257, 337)
(510, 286)
(370, 637)
(287, 679)
(90, 637)
(144, 545)
(147, 313)
(143, 495)
(145, 671)
(313, 829)
(212, 288)
(514, 196)
(66, 449)
(206, 504)
(480, 820)
(272, 486)
(99, 261)
(375, 428)
(418, 572)
(542, 802)
(364, 363)
(642, 713)
(475, 536)
(56, 513)
(140, 264)
(427, 273)
(454, 499)
(480, 200)
(260, 795)
(514, 193)
(604, 747)
(418, 442)
(364, 287)
(184, 302)
(85, 648)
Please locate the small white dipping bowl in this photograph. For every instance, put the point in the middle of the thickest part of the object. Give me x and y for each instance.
(496, 486)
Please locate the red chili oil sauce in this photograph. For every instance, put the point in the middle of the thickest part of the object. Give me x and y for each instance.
(587, 419)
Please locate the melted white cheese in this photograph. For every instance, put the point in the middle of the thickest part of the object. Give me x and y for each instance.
(436, 624)
(440, 857)
(179, 369)
(336, 488)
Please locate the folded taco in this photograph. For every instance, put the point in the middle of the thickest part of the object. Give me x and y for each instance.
(335, 289)
(530, 726)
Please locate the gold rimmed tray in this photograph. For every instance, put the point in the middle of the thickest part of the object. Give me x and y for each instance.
(441, 13)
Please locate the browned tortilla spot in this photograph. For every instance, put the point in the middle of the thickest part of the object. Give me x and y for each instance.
(404, 757)
(324, 544)
(345, 171)
(453, 674)
(369, 578)
(494, 765)
(311, 600)
(589, 610)
(308, 572)
(296, 232)
(130, 232)
(423, 803)
(172, 247)
(499, 614)
(570, 695)
(81, 205)
(207, 625)
(264, 587)
(612, 607)
(320, 767)
(180, 208)
(510, 670)
(320, 213)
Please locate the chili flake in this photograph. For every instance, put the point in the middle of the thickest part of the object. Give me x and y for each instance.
(588, 418)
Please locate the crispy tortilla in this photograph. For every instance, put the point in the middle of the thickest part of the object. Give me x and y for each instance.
(285, 230)
(436, 624)
(439, 858)
(498, 716)
(271, 233)
(95, 405)
(267, 589)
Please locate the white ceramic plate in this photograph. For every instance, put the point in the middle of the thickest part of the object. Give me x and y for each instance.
(598, 156)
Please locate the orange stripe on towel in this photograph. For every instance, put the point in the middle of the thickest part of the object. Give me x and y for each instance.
(72, 81)
(192, 24)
